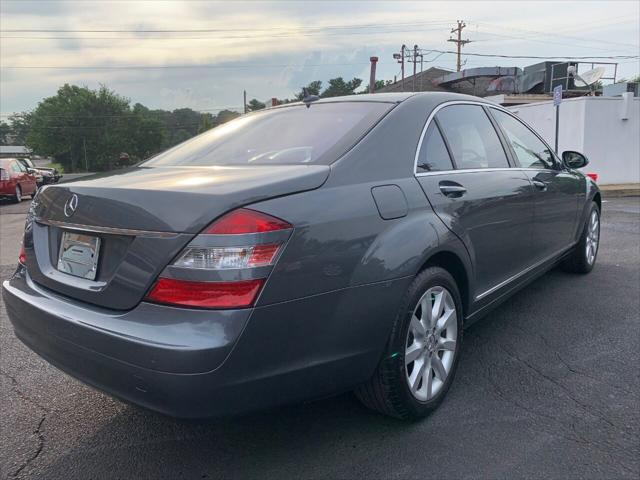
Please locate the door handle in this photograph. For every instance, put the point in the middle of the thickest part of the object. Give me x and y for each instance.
(539, 185)
(452, 190)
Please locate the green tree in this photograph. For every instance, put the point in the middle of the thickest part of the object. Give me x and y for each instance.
(254, 105)
(205, 124)
(224, 116)
(88, 129)
(5, 133)
(338, 87)
(146, 133)
(20, 124)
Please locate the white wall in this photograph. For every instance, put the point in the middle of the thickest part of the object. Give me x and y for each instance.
(593, 126)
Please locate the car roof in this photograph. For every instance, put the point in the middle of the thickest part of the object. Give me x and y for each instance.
(398, 97)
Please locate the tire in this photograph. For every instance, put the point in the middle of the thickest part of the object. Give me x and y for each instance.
(583, 257)
(18, 197)
(388, 391)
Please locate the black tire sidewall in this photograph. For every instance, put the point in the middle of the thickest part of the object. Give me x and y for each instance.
(428, 278)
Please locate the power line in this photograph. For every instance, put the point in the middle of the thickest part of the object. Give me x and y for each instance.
(546, 57)
(225, 30)
(154, 67)
(223, 37)
(555, 34)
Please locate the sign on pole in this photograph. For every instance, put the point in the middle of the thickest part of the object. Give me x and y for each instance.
(557, 95)
(557, 99)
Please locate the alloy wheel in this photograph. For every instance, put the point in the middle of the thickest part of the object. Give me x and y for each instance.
(431, 343)
(18, 194)
(593, 237)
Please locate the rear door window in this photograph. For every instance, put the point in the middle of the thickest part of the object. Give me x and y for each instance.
(529, 149)
(470, 134)
(317, 134)
(433, 154)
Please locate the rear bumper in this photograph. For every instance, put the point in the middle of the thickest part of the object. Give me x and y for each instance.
(193, 364)
(7, 189)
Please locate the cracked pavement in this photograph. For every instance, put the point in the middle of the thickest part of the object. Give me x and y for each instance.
(548, 386)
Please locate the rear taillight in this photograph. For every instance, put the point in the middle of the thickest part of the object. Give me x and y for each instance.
(593, 176)
(246, 221)
(232, 247)
(205, 294)
(3, 174)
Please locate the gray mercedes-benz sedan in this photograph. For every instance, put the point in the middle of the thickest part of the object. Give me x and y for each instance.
(298, 252)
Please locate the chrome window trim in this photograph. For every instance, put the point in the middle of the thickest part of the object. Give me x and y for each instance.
(426, 126)
(518, 119)
(462, 170)
(107, 230)
(470, 170)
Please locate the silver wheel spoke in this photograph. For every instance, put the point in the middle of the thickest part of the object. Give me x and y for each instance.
(416, 375)
(592, 237)
(446, 344)
(425, 306)
(417, 328)
(412, 353)
(427, 380)
(438, 305)
(438, 368)
(445, 320)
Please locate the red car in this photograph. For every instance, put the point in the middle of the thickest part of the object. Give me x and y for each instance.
(15, 180)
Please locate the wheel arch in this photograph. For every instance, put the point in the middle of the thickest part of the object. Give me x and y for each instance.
(453, 264)
(598, 199)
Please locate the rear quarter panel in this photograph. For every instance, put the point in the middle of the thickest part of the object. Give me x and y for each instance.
(344, 271)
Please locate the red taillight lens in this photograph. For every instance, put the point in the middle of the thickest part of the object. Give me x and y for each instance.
(22, 256)
(170, 291)
(593, 176)
(246, 221)
(208, 253)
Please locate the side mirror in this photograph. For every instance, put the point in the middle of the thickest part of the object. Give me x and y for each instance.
(574, 159)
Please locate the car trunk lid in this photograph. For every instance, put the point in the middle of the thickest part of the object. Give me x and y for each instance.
(144, 217)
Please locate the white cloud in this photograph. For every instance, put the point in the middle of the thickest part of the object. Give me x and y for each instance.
(280, 33)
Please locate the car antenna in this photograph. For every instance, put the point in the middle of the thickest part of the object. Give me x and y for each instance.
(307, 99)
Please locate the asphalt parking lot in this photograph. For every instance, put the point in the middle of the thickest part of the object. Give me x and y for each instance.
(548, 386)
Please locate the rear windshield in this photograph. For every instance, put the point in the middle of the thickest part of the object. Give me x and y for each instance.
(291, 135)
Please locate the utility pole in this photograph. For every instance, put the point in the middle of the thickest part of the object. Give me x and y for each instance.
(459, 42)
(400, 58)
(402, 61)
(415, 59)
(244, 95)
(372, 75)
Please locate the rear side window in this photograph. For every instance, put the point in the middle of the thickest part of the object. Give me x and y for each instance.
(291, 135)
(473, 141)
(433, 155)
(530, 150)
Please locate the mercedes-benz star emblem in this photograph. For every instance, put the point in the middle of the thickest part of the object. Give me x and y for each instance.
(71, 205)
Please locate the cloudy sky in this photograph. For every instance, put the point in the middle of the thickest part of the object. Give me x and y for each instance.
(203, 54)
